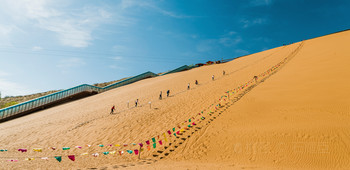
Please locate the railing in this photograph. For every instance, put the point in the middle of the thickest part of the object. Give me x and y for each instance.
(130, 80)
(54, 97)
(44, 100)
(182, 68)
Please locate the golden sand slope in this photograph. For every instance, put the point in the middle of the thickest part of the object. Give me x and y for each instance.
(297, 118)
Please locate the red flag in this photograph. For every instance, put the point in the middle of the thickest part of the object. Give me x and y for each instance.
(71, 157)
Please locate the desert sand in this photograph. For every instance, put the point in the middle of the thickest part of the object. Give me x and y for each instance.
(295, 117)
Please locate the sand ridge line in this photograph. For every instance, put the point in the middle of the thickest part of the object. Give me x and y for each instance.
(216, 78)
(180, 92)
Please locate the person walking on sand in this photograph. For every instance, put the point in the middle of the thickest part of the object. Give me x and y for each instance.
(256, 79)
(196, 82)
(188, 86)
(136, 102)
(212, 77)
(112, 109)
(223, 72)
(160, 95)
(167, 93)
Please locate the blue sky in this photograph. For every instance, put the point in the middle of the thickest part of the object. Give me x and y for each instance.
(47, 44)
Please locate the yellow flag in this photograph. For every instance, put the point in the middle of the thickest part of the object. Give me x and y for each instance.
(37, 149)
(166, 140)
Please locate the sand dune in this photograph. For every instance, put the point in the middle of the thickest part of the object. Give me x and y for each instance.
(295, 118)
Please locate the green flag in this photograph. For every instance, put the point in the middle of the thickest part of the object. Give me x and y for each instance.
(58, 158)
(66, 148)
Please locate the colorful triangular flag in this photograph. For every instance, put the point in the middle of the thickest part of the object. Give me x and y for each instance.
(58, 158)
(71, 157)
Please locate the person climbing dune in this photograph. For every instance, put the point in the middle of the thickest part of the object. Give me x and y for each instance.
(112, 109)
(256, 79)
(136, 102)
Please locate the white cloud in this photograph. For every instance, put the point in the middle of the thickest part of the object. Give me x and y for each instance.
(228, 41)
(169, 13)
(37, 48)
(116, 67)
(260, 2)
(5, 30)
(129, 3)
(232, 33)
(206, 45)
(194, 36)
(9, 88)
(4, 74)
(117, 58)
(248, 23)
(71, 62)
(190, 54)
(70, 33)
(263, 40)
(120, 48)
(73, 27)
(149, 5)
